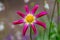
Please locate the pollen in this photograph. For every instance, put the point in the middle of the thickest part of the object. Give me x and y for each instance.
(29, 18)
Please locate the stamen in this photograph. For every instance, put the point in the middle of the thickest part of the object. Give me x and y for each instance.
(29, 18)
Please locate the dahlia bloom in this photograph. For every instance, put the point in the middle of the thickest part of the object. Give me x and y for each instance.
(30, 19)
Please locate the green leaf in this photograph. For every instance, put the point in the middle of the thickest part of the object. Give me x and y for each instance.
(57, 37)
(53, 30)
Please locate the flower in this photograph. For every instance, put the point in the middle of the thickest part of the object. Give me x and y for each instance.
(26, 1)
(46, 5)
(30, 19)
(2, 26)
(2, 7)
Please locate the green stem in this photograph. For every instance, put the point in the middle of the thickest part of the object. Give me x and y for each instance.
(51, 19)
(44, 35)
(30, 33)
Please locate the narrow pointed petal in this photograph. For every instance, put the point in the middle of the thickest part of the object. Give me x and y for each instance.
(35, 8)
(41, 14)
(34, 29)
(18, 22)
(26, 8)
(24, 29)
(41, 24)
(20, 13)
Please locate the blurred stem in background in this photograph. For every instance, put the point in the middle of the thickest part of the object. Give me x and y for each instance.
(58, 26)
(52, 19)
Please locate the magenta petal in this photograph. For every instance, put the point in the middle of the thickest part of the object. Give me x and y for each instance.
(34, 29)
(26, 8)
(20, 13)
(41, 24)
(41, 14)
(18, 22)
(35, 8)
(24, 29)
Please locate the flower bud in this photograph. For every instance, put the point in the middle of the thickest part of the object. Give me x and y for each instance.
(46, 6)
(26, 1)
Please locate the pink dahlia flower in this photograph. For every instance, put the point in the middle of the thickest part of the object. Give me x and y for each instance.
(30, 19)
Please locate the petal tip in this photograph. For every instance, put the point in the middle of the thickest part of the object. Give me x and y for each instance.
(17, 12)
(20, 13)
(37, 5)
(43, 12)
(35, 8)
(45, 26)
(14, 23)
(26, 5)
(26, 8)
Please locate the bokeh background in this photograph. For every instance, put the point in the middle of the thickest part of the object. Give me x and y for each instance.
(8, 9)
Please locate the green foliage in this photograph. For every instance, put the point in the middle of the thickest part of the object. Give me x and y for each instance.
(44, 33)
(32, 3)
(58, 0)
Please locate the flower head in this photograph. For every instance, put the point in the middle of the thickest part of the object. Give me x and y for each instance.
(30, 19)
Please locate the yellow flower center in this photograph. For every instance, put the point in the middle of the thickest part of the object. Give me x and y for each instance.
(29, 18)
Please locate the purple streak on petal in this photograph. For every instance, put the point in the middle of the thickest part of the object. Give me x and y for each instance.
(41, 23)
(20, 13)
(34, 29)
(41, 14)
(26, 8)
(35, 8)
(18, 22)
(24, 29)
